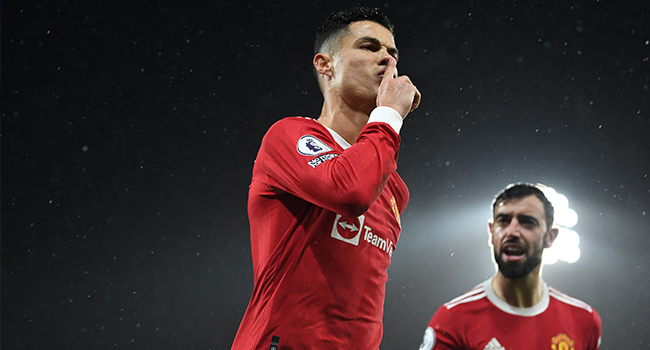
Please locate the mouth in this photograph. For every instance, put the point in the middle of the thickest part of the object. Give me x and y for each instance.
(513, 251)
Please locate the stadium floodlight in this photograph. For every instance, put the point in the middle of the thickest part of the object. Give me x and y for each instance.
(566, 246)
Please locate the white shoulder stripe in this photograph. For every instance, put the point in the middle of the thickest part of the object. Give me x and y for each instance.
(474, 294)
(567, 299)
(449, 305)
(475, 290)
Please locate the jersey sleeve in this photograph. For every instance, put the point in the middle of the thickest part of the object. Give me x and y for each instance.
(594, 336)
(300, 157)
(441, 333)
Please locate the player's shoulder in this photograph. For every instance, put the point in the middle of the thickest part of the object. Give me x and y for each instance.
(569, 301)
(305, 134)
(469, 298)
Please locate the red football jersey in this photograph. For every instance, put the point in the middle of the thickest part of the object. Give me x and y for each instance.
(325, 219)
(480, 320)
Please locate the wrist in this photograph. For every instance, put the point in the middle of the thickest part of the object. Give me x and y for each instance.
(387, 115)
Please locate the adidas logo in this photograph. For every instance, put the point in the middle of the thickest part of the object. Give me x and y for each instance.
(494, 345)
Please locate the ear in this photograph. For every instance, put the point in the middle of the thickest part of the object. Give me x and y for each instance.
(323, 64)
(490, 229)
(550, 237)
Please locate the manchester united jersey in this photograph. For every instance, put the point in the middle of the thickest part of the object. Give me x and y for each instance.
(325, 219)
(479, 320)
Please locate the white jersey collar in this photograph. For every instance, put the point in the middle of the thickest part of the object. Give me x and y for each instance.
(340, 140)
(513, 310)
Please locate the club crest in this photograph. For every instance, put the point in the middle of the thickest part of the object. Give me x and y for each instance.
(562, 342)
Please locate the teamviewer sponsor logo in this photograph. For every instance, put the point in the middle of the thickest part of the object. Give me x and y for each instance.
(348, 230)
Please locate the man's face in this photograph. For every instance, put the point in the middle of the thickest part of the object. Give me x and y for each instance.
(359, 66)
(518, 235)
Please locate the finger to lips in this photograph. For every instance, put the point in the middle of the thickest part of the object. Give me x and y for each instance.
(391, 69)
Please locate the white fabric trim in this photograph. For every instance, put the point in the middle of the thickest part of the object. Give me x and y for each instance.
(567, 299)
(476, 293)
(465, 300)
(340, 140)
(513, 310)
(387, 115)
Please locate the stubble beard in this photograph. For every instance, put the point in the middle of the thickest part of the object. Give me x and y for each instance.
(515, 270)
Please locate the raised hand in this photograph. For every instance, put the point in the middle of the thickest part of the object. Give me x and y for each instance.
(397, 92)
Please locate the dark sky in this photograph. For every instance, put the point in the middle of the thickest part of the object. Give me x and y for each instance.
(129, 133)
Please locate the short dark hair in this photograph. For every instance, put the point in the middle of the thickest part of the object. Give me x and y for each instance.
(522, 189)
(339, 21)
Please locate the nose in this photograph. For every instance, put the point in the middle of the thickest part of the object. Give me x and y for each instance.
(385, 56)
(514, 228)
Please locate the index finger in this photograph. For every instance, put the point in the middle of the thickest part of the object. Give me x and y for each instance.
(391, 69)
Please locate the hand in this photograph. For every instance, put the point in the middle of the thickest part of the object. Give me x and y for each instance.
(396, 92)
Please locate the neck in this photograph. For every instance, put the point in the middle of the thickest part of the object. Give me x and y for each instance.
(345, 120)
(524, 292)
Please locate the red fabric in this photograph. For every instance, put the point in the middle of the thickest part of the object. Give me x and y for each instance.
(472, 321)
(323, 228)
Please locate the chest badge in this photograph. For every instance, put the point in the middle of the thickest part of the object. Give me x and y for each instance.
(562, 342)
(393, 205)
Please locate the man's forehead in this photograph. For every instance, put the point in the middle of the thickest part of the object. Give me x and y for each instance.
(525, 205)
(371, 29)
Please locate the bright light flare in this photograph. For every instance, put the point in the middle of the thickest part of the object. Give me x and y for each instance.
(566, 218)
(565, 247)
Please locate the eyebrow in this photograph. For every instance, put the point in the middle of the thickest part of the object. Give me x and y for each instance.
(391, 50)
(519, 217)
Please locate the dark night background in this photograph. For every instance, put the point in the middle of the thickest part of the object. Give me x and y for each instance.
(129, 132)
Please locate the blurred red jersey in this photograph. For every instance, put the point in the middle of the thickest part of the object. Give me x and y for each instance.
(325, 219)
(480, 320)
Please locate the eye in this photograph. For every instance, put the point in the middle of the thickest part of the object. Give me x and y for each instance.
(503, 220)
(528, 223)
